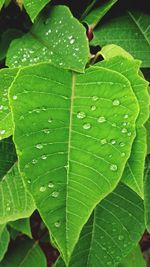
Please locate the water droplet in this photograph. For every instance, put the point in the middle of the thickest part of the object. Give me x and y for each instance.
(101, 119)
(95, 98)
(72, 41)
(114, 124)
(86, 126)
(120, 237)
(103, 141)
(116, 102)
(57, 224)
(42, 188)
(93, 108)
(34, 161)
(1, 107)
(47, 131)
(43, 157)
(113, 141)
(8, 208)
(14, 97)
(109, 263)
(55, 194)
(2, 132)
(21, 117)
(81, 115)
(126, 116)
(124, 130)
(129, 133)
(123, 154)
(124, 124)
(110, 156)
(50, 185)
(113, 167)
(29, 181)
(39, 146)
(50, 120)
(122, 144)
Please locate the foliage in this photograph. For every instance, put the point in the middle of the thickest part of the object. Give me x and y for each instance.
(73, 143)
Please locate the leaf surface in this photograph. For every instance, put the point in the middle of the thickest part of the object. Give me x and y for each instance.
(15, 201)
(4, 240)
(131, 31)
(134, 259)
(33, 7)
(72, 153)
(132, 175)
(24, 254)
(112, 231)
(23, 226)
(1, 3)
(58, 38)
(94, 17)
(7, 76)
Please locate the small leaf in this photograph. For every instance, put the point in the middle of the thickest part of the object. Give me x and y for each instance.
(131, 31)
(59, 39)
(2, 3)
(7, 76)
(34, 7)
(24, 254)
(15, 201)
(94, 17)
(4, 241)
(23, 226)
(112, 231)
(72, 154)
(132, 175)
(7, 156)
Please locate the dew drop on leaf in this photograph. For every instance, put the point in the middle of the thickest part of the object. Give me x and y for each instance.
(81, 115)
(86, 126)
(95, 98)
(120, 237)
(34, 161)
(124, 130)
(55, 194)
(126, 116)
(42, 188)
(1, 107)
(57, 224)
(29, 181)
(103, 141)
(44, 157)
(93, 108)
(116, 102)
(122, 144)
(50, 185)
(2, 132)
(123, 154)
(113, 167)
(113, 141)
(47, 131)
(14, 97)
(129, 133)
(101, 119)
(39, 146)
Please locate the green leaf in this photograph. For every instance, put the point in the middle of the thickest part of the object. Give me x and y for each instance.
(146, 194)
(34, 7)
(94, 17)
(5, 40)
(6, 78)
(15, 201)
(4, 241)
(59, 39)
(81, 161)
(24, 254)
(2, 3)
(132, 175)
(111, 50)
(112, 231)
(131, 31)
(134, 259)
(7, 156)
(23, 226)
(147, 125)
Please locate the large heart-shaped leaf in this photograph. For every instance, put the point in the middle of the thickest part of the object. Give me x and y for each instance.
(15, 201)
(112, 231)
(58, 38)
(4, 237)
(131, 31)
(6, 78)
(71, 154)
(132, 175)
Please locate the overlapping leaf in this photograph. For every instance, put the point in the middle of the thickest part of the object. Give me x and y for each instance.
(6, 78)
(4, 240)
(134, 259)
(22, 225)
(131, 31)
(70, 154)
(25, 254)
(15, 201)
(94, 17)
(58, 38)
(112, 231)
(132, 175)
